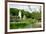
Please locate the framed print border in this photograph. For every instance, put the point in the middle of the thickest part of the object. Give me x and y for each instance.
(6, 1)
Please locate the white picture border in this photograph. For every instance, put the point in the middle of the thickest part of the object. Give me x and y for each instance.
(29, 29)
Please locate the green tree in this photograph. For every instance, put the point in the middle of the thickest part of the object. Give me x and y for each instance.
(14, 11)
(36, 15)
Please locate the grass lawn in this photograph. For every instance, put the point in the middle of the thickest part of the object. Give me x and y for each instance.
(27, 23)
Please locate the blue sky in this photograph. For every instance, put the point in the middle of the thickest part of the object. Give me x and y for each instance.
(25, 7)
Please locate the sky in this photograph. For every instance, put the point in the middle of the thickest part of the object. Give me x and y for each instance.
(25, 7)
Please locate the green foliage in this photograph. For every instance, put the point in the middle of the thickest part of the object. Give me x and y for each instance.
(13, 11)
(28, 14)
(31, 18)
(33, 15)
(17, 25)
(22, 24)
(36, 15)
